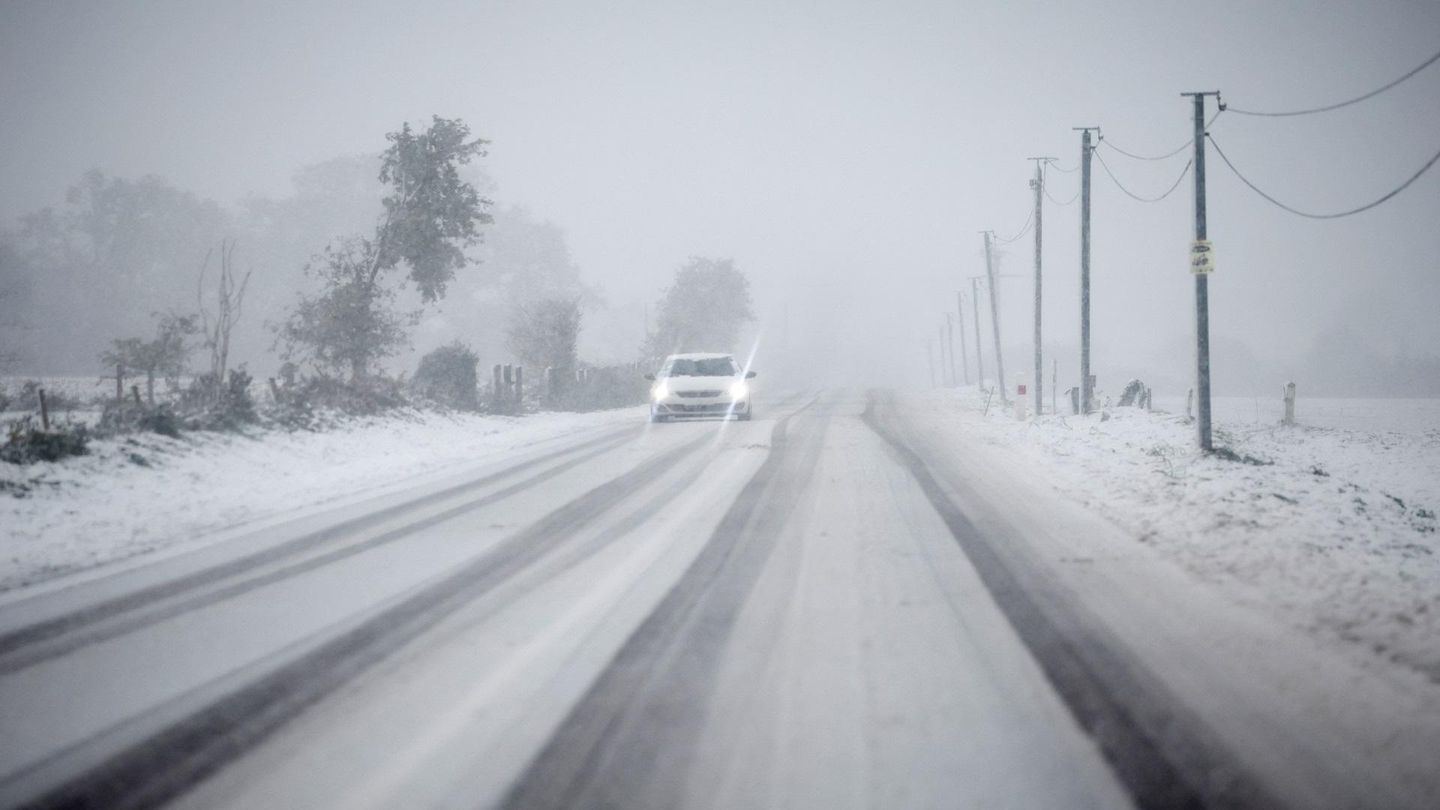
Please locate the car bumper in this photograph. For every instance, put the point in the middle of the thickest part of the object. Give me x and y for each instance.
(700, 410)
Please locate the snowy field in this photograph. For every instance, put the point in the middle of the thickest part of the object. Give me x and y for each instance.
(1330, 526)
(145, 493)
(1414, 416)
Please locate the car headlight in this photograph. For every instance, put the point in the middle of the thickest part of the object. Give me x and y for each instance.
(660, 391)
(739, 390)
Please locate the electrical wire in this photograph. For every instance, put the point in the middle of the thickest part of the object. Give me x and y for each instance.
(1045, 184)
(1030, 220)
(1053, 165)
(1427, 63)
(1172, 153)
(1366, 207)
(1057, 202)
(1135, 196)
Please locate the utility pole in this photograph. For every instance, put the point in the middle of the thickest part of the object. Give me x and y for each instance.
(950, 344)
(995, 316)
(1201, 264)
(944, 361)
(975, 311)
(1086, 394)
(960, 319)
(930, 356)
(1038, 184)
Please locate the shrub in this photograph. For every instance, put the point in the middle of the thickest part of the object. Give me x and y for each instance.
(209, 406)
(448, 376)
(300, 406)
(127, 417)
(26, 444)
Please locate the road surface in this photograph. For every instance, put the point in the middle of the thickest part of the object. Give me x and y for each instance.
(798, 611)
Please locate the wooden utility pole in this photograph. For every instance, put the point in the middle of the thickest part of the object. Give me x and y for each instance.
(1202, 263)
(960, 321)
(1086, 389)
(995, 316)
(950, 345)
(975, 312)
(944, 360)
(1038, 184)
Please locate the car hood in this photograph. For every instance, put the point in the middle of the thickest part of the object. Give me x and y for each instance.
(698, 383)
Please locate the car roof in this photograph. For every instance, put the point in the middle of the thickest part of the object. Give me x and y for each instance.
(699, 356)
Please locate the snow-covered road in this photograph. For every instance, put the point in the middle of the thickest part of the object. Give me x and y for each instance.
(831, 606)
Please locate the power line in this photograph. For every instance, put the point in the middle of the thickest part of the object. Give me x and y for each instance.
(1067, 202)
(1044, 182)
(1356, 100)
(1104, 141)
(1050, 164)
(1135, 196)
(1045, 186)
(1366, 207)
(1028, 222)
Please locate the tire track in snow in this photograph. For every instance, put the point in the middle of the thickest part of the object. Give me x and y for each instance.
(52, 638)
(1162, 755)
(626, 742)
(165, 764)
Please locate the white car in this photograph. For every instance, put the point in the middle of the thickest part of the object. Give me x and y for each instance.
(697, 386)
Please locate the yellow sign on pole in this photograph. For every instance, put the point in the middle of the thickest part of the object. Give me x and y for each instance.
(1202, 257)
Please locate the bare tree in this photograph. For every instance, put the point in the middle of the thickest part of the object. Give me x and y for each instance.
(229, 306)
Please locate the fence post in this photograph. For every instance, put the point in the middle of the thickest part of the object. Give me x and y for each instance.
(1290, 403)
(494, 385)
(135, 389)
(120, 383)
(519, 388)
(274, 390)
(44, 410)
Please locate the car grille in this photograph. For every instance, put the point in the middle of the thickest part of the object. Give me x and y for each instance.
(717, 407)
(698, 393)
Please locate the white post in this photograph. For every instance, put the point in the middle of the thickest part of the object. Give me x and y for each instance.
(1290, 403)
(1021, 397)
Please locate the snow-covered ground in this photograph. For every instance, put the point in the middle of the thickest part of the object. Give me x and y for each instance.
(1333, 529)
(145, 493)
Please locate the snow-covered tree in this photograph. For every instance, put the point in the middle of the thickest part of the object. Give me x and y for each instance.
(448, 375)
(544, 334)
(166, 355)
(431, 214)
(703, 310)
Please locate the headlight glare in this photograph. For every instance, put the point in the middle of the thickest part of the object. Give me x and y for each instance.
(739, 390)
(660, 391)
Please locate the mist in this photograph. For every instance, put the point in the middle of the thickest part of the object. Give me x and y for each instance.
(846, 157)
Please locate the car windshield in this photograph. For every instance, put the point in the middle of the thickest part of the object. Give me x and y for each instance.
(701, 367)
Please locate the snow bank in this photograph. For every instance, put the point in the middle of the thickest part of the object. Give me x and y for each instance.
(1333, 529)
(144, 493)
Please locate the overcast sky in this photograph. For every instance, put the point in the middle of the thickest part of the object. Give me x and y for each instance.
(845, 154)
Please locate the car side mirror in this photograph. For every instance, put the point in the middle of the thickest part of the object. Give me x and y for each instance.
(650, 377)
(749, 374)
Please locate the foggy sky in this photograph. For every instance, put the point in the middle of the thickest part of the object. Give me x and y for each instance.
(844, 154)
